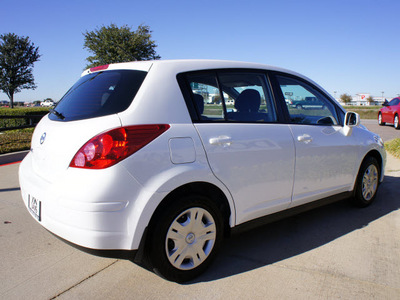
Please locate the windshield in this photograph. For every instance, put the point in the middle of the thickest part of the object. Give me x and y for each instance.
(99, 94)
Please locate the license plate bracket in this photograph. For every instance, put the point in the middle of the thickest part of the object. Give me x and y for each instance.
(35, 207)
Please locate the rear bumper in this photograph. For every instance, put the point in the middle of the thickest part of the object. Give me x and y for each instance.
(90, 213)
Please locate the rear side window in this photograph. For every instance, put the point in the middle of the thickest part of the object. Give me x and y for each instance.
(99, 94)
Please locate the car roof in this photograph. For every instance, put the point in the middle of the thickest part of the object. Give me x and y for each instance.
(185, 65)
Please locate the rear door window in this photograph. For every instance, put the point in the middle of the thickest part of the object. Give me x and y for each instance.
(233, 96)
(99, 94)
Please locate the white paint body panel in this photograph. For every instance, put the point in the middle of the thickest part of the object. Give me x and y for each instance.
(260, 168)
(256, 163)
(326, 164)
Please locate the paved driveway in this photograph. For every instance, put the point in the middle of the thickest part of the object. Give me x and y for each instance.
(334, 252)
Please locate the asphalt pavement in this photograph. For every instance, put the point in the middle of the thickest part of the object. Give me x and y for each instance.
(387, 132)
(333, 252)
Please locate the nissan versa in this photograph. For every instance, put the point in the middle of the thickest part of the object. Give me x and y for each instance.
(169, 156)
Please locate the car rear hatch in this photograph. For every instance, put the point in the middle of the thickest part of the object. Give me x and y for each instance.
(54, 144)
(90, 107)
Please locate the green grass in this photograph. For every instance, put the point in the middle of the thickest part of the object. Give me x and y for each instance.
(371, 113)
(393, 147)
(15, 140)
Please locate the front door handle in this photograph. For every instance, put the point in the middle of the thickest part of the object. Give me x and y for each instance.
(305, 138)
(221, 140)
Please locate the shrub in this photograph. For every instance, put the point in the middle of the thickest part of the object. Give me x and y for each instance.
(26, 111)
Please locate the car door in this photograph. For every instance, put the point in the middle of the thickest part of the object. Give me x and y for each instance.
(247, 149)
(390, 110)
(325, 157)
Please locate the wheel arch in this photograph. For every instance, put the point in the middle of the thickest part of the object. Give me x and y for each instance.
(366, 185)
(375, 154)
(394, 120)
(141, 234)
(205, 189)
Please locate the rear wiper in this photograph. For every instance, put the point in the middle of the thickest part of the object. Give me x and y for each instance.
(57, 114)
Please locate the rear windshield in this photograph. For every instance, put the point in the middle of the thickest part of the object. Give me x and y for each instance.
(99, 94)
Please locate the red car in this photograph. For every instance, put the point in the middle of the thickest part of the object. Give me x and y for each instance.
(390, 113)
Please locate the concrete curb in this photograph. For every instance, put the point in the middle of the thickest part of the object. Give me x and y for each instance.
(10, 158)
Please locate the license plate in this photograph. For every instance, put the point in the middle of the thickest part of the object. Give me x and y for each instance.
(35, 207)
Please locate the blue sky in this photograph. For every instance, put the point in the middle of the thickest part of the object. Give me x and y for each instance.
(347, 46)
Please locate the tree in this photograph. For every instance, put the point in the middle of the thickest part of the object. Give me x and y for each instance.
(346, 99)
(17, 56)
(370, 100)
(111, 44)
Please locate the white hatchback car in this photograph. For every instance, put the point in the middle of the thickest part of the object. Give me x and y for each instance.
(133, 157)
(47, 103)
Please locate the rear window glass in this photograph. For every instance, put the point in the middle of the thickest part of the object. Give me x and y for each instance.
(99, 94)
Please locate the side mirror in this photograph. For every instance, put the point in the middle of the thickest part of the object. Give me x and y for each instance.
(385, 103)
(351, 119)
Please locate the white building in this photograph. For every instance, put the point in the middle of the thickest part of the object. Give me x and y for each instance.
(361, 99)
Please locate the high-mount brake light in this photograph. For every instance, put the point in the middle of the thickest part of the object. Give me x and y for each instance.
(109, 148)
(99, 68)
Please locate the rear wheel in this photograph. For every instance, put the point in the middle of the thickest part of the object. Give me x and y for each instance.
(396, 122)
(367, 182)
(185, 238)
(380, 119)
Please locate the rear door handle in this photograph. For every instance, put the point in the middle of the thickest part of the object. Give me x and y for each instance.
(305, 138)
(221, 140)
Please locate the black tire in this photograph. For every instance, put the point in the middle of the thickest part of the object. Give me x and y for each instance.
(170, 236)
(380, 120)
(396, 122)
(367, 182)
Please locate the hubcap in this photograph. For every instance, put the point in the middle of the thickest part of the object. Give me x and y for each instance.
(370, 182)
(190, 238)
(396, 121)
(380, 119)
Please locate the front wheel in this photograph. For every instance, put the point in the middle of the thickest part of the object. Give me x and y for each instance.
(396, 122)
(367, 182)
(185, 238)
(380, 120)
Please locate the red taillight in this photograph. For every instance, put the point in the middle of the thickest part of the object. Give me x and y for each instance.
(99, 68)
(109, 148)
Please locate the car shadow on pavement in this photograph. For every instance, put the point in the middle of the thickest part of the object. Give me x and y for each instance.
(10, 189)
(298, 234)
